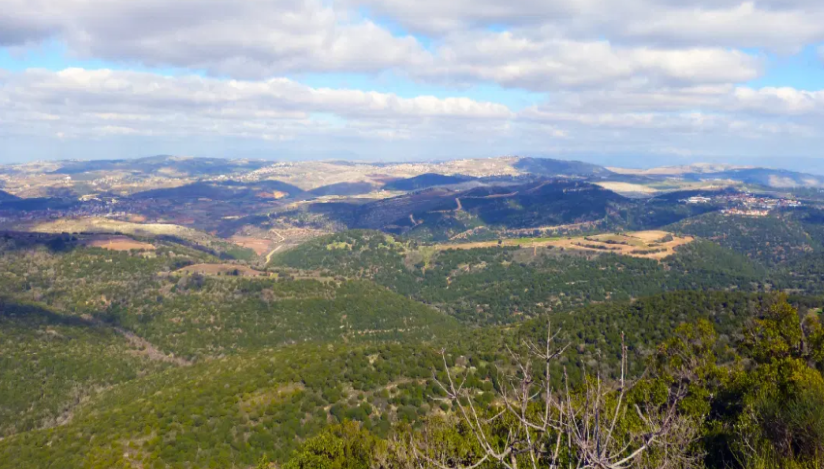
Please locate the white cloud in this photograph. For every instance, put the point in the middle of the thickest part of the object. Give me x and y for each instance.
(552, 63)
(86, 105)
(618, 75)
(245, 39)
(553, 43)
(773, 24)
(696, 123)
(781, 101)
(104, 102)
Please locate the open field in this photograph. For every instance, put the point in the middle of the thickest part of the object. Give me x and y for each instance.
(118, 243)
(627, 188)
(107, 225)
(260, 245)
(645, 244)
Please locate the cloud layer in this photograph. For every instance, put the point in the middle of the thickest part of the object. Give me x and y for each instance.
(83, 104)
(611, 75)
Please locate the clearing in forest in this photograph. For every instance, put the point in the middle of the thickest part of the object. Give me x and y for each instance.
(646, 244)
(260, 245)
(223, 269)
(118, 243)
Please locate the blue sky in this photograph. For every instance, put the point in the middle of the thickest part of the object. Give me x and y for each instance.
(634, 82)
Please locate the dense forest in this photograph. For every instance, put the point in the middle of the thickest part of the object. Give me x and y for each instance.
(363, 349)
(501, 285)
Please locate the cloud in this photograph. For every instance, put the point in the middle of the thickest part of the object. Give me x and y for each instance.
(222, 37)
(695, 123)
(89, 103)
(708, 120)
(780, 101)
(91, 106)
(615, 75)
(772, 24)
(547, 64)
(559, 43)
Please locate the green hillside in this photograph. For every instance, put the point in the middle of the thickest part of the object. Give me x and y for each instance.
(330, 356)
(500, 285)
(234, 410)
(769, 240)
(231, 411)
(51, 363)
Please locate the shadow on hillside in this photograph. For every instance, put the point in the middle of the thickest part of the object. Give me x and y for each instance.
(38, 315)
(21, 241)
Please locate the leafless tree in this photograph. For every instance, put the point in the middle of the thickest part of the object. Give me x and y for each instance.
(554, 428)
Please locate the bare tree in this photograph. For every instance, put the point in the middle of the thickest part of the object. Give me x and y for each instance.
(553, 428)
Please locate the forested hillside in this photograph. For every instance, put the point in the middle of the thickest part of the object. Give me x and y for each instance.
(363, 349)
(235, 410)
(50, 363)
(770, 240)
(500, 285)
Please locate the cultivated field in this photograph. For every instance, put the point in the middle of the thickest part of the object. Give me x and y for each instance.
(646, 244)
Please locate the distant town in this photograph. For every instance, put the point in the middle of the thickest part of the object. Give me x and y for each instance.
(744, 204)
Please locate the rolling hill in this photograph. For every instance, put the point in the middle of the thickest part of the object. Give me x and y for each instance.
(425, 181)
(553, 168)
(193, 167)
(344, 188)
(440, 213)
(224, 190)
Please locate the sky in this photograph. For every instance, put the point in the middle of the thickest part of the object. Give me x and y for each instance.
(624, 82)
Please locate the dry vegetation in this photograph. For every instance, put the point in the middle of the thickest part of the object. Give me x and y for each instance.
(645, 244)
(627, 188)
(106, 225)
(222, 269)
(118, 243)
(261, 246)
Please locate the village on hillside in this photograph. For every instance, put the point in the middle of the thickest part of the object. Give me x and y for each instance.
(744, 204)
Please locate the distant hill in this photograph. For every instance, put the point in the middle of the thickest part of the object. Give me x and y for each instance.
(698, 168)
(425, 181)
(344, 188)
(154, 164)
(767, 177)
(225, 190)
(190, 191)
(550, 167)
(775, 178)
(5, 197)
(439, 213)
(539, 204)
(37, 203)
